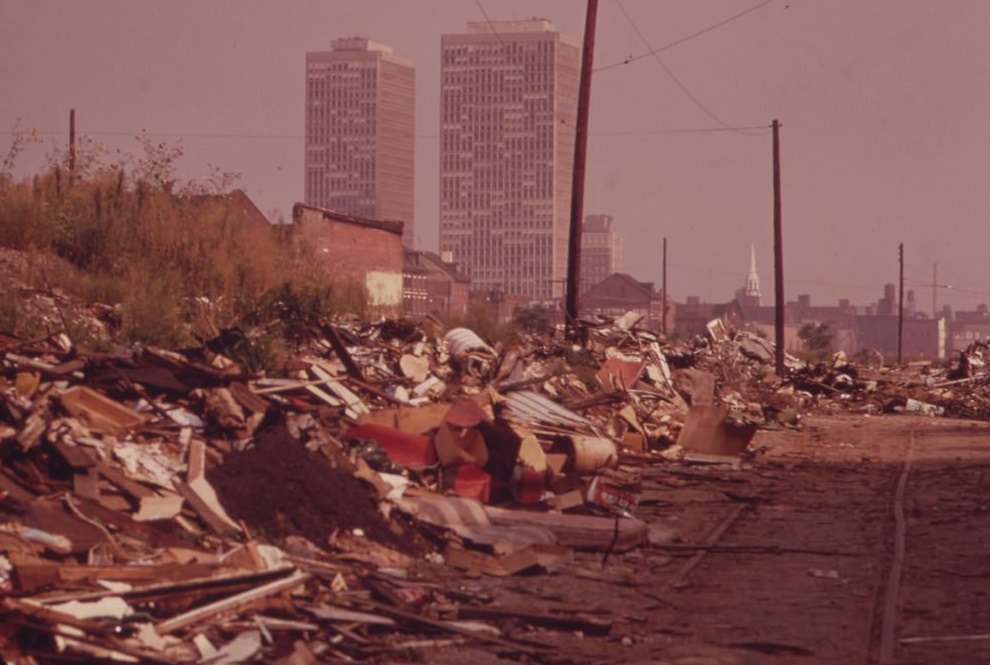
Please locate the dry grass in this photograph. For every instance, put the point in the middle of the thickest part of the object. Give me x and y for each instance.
(179, 267)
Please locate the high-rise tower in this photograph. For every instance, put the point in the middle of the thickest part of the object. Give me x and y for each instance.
(508, 109)
(359, 132)
(601, 250)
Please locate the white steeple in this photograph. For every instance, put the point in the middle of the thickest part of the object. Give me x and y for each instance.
(752, 288)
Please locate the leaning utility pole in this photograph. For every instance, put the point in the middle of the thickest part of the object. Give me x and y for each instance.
(663, 293)
(778, 255)
(900, 305)
(577, 184)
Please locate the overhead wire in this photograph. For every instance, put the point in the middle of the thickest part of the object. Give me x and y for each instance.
(489, 21)
(687, 38)
(206, 135)
(680, 84)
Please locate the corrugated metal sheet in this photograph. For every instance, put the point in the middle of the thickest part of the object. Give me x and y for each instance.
(462, 340)
(536, 409)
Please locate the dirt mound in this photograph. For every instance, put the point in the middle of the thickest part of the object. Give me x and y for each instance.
(280, 488)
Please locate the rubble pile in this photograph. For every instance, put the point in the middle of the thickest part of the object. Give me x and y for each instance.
(167, 507)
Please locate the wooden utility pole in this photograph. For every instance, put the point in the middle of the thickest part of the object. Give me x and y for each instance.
(72, 142)
(934, 287)
(663, 293)
(778, 255)
(900, 305)
(577, 184)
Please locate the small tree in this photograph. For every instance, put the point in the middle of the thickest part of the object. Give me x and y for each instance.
(817, 339)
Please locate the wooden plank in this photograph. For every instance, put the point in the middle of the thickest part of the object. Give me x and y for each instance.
(203, 499)
(196, 462)
(159, 508)
(131, 488)
(150, 534)
(13, 489)
(32, 573)
(86, 483)
(101, 413)
(75, 456)
(183, 586)
(232, 604)
(248, 398)
(338, 347)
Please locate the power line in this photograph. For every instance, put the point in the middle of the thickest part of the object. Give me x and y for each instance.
(204, 135)
(680, 84)
(489, 21)
(678, 42)
(688, 130)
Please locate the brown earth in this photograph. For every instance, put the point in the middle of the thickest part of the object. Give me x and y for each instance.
(280, 488)
(801, 574)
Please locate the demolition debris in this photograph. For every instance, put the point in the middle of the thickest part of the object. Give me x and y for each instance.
(169, 507)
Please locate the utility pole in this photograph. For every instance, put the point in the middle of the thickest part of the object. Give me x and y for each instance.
(72, 143)
(663, 292)
(900, 305)
(934, 291)
(778, 255)
(577, 184)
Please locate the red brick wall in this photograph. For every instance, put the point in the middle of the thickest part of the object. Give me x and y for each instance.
(350, 249)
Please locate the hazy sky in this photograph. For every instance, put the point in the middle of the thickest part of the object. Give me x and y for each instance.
(885, 107)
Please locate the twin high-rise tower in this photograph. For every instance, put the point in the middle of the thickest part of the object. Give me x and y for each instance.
(360, 102)
(508, 105)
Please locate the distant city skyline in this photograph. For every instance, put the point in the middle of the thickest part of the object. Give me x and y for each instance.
(883, 109)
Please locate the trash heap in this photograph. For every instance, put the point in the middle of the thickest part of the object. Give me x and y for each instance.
(168, 507)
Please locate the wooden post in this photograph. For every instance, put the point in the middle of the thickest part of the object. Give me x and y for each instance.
(663, 292)
(900, 306)
(577, 184)
(72, 143)
(778, 254)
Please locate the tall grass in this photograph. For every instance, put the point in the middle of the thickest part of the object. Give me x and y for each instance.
(180, 266)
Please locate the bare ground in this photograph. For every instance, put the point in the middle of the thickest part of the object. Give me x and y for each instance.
(802, 569)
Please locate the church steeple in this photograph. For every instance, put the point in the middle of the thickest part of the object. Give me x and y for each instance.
(752, 288)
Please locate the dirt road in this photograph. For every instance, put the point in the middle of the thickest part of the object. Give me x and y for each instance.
(855, 540)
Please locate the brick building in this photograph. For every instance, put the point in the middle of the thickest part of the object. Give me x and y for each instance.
(620, 293)
(433, 286)
(365, 251)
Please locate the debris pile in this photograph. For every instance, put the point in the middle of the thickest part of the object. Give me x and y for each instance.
(168, 507)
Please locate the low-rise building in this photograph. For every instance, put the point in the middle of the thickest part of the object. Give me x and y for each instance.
(433, 286)
(966, 327)
(620, 293)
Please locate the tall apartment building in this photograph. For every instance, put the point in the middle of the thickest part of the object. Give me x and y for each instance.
(359, 132)
(508, 110)
(601, 250)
